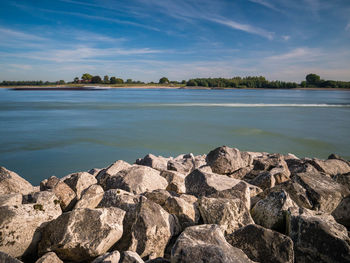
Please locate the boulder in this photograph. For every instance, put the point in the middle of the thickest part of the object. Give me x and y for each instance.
(331, 166)
(263, 245)
(20, 224)
(264, 180)
(90, 197)
(5, 258)
(241, 173)
(186, 163)
(270, 212)
(49, 257)
(342, 213)
(159, 163)
(79, 182)
(176, 181)
(130, 257)
(137, 179)
(10, 199)
(226, 160)
(229, 214)
(10, 183)
(158, 196)
(83, 234)
(64, 193)
(111, 257)
(94, 171)
(317, 237)
(324, 193)
(343, 179)
(110, 171)
(205, 243)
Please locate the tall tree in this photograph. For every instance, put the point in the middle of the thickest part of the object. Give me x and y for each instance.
(106, 79)
(163, 80)
(86, 77)
(312, 79)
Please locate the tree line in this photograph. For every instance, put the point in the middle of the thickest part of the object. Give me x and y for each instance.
(311, 80)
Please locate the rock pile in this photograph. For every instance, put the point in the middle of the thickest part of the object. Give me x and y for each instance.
(226, 206)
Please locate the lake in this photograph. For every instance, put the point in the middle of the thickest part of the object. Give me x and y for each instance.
(45, 133)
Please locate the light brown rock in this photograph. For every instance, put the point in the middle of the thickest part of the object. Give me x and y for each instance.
(342, 213)
(49, 257)
(79, 182)
(176, 181)
(130, 257)
(111, 257)
(110, 171)
(156, 162)
(10, 183)
(90, 197)
(10, 199)
(5, 258)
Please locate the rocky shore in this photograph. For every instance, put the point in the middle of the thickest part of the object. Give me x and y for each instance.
(226, 206)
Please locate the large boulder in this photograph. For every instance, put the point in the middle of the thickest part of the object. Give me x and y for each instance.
(331, 166)
(137, 179)
(263, 245)
(90, 197)
(83, 234)
(10, 199)
(20, 224)
(230, 214)
(226, 160)
(159, 163)
(79, 182)
(64, 193)
(317, 237)
(111, 170)
(49, 257)
(130, 257)
(343, 179)
(270, 212)
(205, 243)
(111, 257)
(10, 183)
(176, 181)
(186, 163)
(158, 196)
(342, 213)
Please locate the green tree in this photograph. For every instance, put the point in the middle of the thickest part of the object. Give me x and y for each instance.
(191, 82)
(163, 80)
(76, 80)
(86, 77)
(312, 79)
(129, 81)
(96, 79)
(61, 82)
(106, 79)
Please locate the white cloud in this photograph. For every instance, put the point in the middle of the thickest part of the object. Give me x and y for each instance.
(296, 54)
(7, 33)
(21, 66)
(266, 4)
(285, 38)
(347, 28)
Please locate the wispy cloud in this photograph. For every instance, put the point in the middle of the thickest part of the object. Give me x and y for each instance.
(266, 4)
(296, 54)
(347, 28)
(21, 66)
(285, 38)
(10, 33)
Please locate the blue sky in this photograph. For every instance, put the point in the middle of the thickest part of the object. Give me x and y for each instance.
(180, 39)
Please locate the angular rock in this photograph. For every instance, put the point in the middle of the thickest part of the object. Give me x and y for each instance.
(317, 237)
(111, 257)
(20, 224)
(137, 179)
(5, 258)
(270, 212)
(159, 163)
(158, 196)
(11, 183)
(110, 171)
(83, 234)
(90, 197)
(264, 180)
(64, 193)
(331, 166)
(262, 245)
(229, 214)
(343, 179)
(130, 257)
(241, 173)
(226, 160)
(94, 171)
(176, 181)
(186, 163)
(50, 257)
(10, 199)
(80, 181)
(205, 243)
(342, 213)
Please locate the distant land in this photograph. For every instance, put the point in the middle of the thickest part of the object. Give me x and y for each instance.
(312, 81)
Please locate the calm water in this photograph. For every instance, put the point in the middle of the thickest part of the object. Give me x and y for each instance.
(44, 133)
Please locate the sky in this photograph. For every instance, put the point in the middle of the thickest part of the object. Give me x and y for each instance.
(179, 39)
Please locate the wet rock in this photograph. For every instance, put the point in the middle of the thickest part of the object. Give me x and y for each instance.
(137, 179)
(20, 224)
(80, 181)
(176, 181)
(90, 197)
(50, 257)
(10, 199)
(317, 237)
(342, 213)
(64, 193)
(226, 160)
(205, 242)
(159, 163)
(270, 212)
(262, 245)
(10, 183)
(229, 214)
(130, 257)
(110, 171)
(111, 257)
(5, 258)
(83, 234)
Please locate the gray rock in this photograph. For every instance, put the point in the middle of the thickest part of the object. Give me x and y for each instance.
(241, 173)
(264, 180)
(158, 196)
(270, 212)
(49, 257)
(10, 199)
(110, 171)
(176, 181)
(10, 183)
(186, 163)
(205, 243)
(229, 214)
(20, 224)
(342, 213)
(130, 257)
(317, 237)
(94, 171)
(331, 166)
(80, 181)
(5, 258)
(226, 160)
(343, 179)
(90, 197)
(111, 257)
(262, 245)
(159, 163)
(83, 234)
(137, 179)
